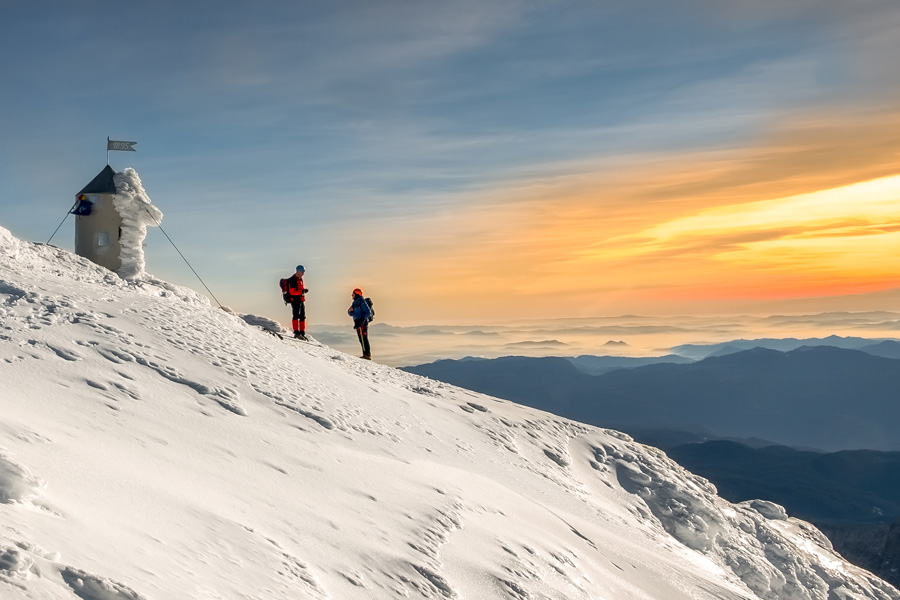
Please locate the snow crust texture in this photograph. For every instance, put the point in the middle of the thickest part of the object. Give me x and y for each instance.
(137, 212)
(153, 447)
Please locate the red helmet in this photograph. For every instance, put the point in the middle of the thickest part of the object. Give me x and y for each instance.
(357, 292)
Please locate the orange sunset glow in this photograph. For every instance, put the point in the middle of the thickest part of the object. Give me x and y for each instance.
(702, 232)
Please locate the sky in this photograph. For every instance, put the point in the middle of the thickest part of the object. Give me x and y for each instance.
(475, 162)
(155, 447)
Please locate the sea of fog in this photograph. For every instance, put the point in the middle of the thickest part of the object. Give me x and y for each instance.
(627, 335)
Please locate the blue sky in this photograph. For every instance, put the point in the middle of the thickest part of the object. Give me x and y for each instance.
(393, 145)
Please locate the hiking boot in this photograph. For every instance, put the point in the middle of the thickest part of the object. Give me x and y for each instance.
(300, 335)
(366, 356)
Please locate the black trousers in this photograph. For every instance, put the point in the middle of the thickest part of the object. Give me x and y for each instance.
(298, 314)
(362, 330)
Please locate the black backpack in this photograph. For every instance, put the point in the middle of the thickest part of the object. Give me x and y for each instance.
(371, 309)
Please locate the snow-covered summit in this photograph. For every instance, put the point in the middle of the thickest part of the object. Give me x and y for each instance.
(154, 447)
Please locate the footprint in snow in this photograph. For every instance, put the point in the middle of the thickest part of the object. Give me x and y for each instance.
(437, 581)
(92, 587)
(134, 395)
(65, 354)
(14, 563)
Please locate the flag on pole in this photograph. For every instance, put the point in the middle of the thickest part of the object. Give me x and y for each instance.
(118, 145)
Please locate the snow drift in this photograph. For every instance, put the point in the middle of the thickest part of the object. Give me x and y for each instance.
(153, 447)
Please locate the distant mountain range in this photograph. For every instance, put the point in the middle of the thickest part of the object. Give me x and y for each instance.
(885, 348)
(597, 365)
(820, 397)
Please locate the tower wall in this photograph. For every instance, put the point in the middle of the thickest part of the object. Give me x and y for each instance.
(97, 234)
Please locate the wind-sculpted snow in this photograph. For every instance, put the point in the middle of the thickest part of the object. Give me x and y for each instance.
(153, 447)
(787, 555)
(137, 212)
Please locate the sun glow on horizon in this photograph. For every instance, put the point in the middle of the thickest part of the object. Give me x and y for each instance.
(588, 259)
(864, 208)
(842, 239)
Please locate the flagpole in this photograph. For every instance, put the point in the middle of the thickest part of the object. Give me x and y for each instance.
(107, 151)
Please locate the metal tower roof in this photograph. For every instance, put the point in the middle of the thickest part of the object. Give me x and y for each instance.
(103, 183)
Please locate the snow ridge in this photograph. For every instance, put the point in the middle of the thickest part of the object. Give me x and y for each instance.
(154, 447)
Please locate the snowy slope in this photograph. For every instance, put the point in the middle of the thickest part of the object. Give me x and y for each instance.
(153, 447)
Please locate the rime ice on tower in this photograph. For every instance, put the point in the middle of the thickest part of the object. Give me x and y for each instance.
(112, 215)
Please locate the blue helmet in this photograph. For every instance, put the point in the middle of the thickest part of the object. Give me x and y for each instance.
(301, 269)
